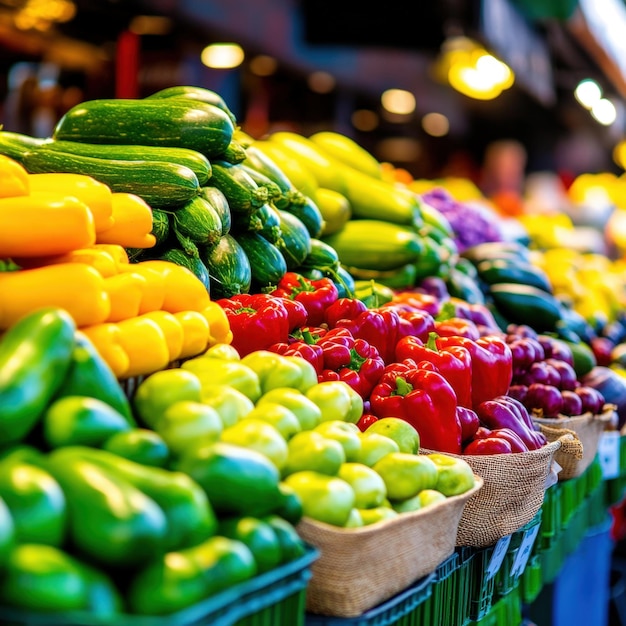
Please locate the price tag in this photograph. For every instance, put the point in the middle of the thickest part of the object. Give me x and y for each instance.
(608, 451)
(499, 552)
(523, 553)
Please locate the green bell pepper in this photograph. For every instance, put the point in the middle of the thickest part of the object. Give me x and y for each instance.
(141, 445)
(278, 370)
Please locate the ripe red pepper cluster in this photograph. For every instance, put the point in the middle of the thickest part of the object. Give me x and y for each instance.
(443, 365)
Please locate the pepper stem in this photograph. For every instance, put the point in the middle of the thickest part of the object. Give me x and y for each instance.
(431, 344)
(403, 387)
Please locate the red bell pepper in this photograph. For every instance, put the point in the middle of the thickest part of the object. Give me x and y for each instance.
(507, 412)
(311, 352)
(366, 420)
(259, 320)
(412, 322)
(419, 394)
(492, 365)
(315, 295)
(477, 313)
(453, 362)
(469, 422)
(348, 358)
(417, 301)
(449, 324)
(379, 327)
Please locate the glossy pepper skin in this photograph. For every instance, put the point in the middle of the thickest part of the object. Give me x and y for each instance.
(259, 320)
(315, 295)
(496, 441)
(350, 359)
(507, 412)
(492, 365)
(419, 394)
(453, 362)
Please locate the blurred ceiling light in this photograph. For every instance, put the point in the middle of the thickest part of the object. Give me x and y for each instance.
(365, 120)
(41, 14)
(321, 82)
(263, 65)
(399, 149)
(472, 71)
(223, 56)
(588, 92)
(398, 101)
(435, 124)
(604, 112)
(150, 25)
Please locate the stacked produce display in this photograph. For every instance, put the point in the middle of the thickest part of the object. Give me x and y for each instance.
(209, 339)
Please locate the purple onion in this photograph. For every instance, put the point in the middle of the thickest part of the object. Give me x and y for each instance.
(521, 330)
(544, 400)
(542, 372)
(592, 399)
(556, 349)
(434, 286)
(572, 403)
(518, 392)
(569, 379)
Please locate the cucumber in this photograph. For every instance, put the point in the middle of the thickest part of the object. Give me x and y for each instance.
(16, 145)
(263, 164)
(234, 153)
(160, 184)
(376, 244)
(194, 160)
(199, 222)
(307, 211)
(462, 286)
(267, 262)
(294, 242)
(525, 304)
(241, 192)
(229, 268)
(195, 93)
(220, 204)
(172, 122)
(192, 263)
(494, 271)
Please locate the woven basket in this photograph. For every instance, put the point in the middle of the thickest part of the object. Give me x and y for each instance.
(359, 568)
(512, 493)
(587, 428)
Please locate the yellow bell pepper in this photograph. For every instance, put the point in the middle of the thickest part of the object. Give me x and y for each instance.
(219, 326)
(96, 195)
(100, 260)
(146, 345)
(119, 254)
(125, 292)
(13, 178)
(153, 287)
(132, 217)
(75, 287)
(44, 224)
(183, 290)
(196, 333)
(172, 329)
(106, 339)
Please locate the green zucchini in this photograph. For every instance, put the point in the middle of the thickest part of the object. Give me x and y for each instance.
(494, 271)
(307, 211)
(160, 226)
(526, 304)
(496, 250)
(159, 183)
(234, 153)
(294, 242)
(172, 122)
(321, 255)
(263, 164)
(198, 221)
(242, 193)
(220, 204)
(267, 262)
(460, 285)
(376, 244)
(229, 268)
(192, 263)
(195, 93)
(264, 221)
(16, 145)
(273, 190)
(194, 160)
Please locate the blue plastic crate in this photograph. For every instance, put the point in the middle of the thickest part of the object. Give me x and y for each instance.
(400, 610)
(274, 597)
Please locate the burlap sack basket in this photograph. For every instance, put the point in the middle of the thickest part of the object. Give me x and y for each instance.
(587, 428)
(512, 494)
(359, 568)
